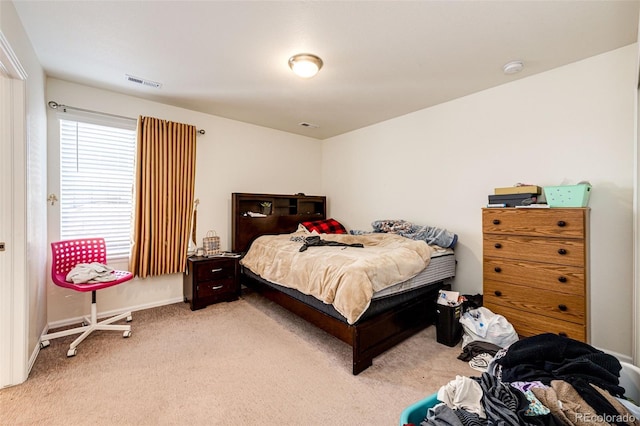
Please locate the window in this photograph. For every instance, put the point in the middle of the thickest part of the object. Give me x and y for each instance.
(96, 181)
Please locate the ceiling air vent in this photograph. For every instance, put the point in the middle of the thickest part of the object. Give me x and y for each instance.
(310, 125)
(143, 82)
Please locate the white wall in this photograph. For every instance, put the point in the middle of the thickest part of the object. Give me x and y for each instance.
(437, 166)
(231, 157)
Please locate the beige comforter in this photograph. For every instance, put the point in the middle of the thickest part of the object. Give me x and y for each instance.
(345, 277)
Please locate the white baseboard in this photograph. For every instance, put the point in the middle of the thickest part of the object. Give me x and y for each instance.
(622, 358)
(34, 355)
(75, 320)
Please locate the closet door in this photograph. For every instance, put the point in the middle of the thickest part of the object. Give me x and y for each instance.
(13, 285)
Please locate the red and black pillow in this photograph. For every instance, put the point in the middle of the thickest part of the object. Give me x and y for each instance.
(325, 226)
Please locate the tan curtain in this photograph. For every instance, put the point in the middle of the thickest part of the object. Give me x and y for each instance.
(164, 191)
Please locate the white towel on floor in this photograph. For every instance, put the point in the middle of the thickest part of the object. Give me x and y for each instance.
(463, 392)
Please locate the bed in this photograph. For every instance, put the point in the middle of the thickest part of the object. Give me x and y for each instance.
(393, 313)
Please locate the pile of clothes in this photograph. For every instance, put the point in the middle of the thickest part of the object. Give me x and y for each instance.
(93, 272)
(541, 380)
(430, 234)
(485, 333)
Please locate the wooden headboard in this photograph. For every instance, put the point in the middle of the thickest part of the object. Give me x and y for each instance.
(283, 216)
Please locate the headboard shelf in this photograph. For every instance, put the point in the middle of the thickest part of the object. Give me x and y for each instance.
(282, 216)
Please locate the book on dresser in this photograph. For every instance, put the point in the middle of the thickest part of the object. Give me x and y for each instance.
(536, 270)
(513, 200)
(518, 189)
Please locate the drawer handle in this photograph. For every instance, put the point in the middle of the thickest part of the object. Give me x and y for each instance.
(562, 279)
(497, 293)
(562, 307)
(562, 251)
(496, 221)
(497, 269)
(217, 287)
(562, 223)
(216, 270)
(497, 245)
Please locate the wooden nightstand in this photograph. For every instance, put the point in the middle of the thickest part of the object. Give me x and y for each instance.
(210, 280)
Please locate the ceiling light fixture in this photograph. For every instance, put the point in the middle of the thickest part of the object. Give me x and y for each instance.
(513, 67)
(305, 65)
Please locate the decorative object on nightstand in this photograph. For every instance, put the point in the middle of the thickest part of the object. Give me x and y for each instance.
(211, 244)
(211, 280)
(535, 269)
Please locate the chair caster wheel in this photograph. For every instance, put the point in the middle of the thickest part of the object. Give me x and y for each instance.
(72, 352)
(84, 323)
(44, 344)
(129, 318)
(126, 334)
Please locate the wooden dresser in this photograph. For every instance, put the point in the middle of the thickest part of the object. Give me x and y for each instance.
(535, 269)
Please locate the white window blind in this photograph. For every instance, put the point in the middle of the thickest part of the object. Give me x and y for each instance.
(96, 183)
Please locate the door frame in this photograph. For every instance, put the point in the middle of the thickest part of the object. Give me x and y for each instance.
(635, 324)
(14, 363)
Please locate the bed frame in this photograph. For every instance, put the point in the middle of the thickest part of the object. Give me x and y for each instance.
(369, 337)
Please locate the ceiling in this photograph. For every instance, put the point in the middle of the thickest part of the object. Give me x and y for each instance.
(382, 59)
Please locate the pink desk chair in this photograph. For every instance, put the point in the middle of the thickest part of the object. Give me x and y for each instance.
(65, 256)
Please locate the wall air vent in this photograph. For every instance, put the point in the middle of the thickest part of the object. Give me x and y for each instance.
(143, 82)
(310, 125)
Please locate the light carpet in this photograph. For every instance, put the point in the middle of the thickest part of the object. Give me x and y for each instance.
(247, 362)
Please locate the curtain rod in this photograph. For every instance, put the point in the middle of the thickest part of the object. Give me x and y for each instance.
(55, 105)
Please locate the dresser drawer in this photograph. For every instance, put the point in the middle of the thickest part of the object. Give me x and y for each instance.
(560, 278)
(529, 302)
(567, 223)
(548, 250)
(214, 269)
(529, 325)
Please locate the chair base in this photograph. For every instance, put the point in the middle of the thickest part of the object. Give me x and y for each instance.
(89, 325)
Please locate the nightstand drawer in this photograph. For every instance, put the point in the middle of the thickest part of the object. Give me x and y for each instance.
(565, 307)
(548, 250)
(568, 223)
(215, 269)
(560, 278)
(216, 288)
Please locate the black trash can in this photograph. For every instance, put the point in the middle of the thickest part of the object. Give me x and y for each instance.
(448, 327)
